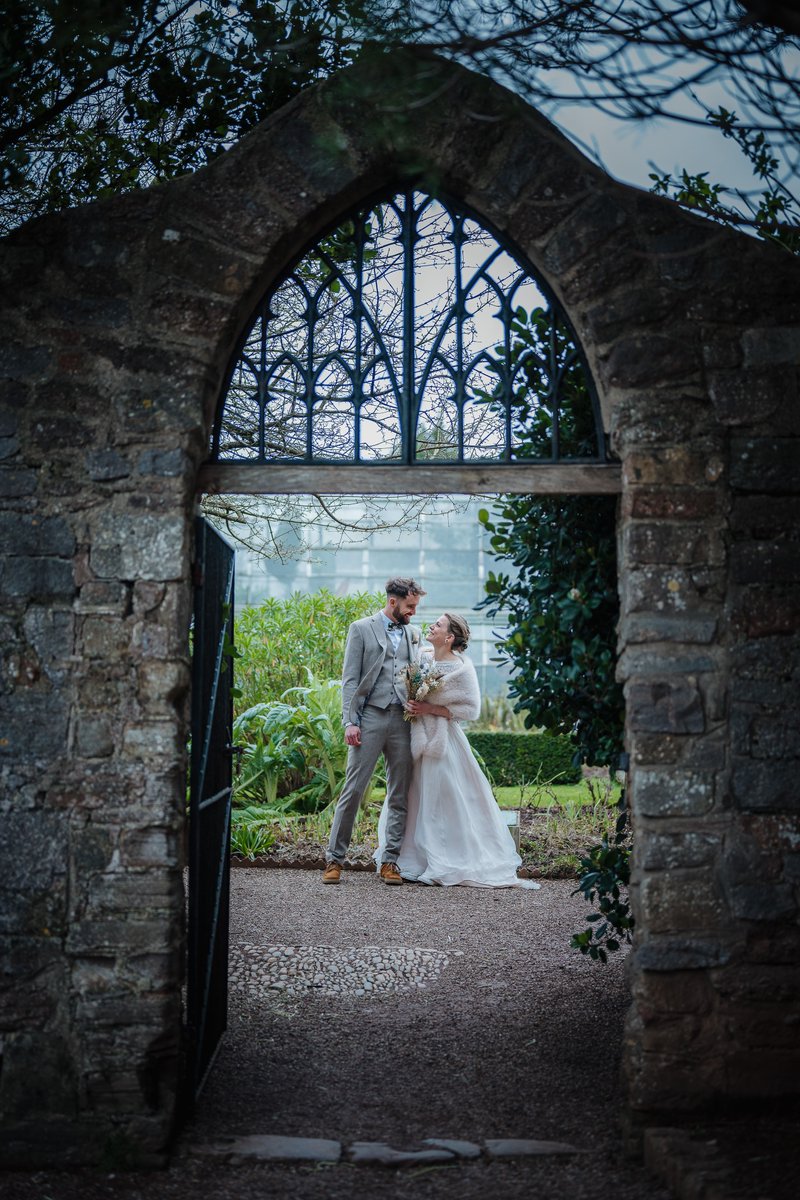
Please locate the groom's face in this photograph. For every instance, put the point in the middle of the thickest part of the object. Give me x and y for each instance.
(404, 607)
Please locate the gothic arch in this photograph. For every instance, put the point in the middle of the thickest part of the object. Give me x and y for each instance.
(409, 334)
(120, 320)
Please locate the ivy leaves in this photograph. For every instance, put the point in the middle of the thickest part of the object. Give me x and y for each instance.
(542, 372)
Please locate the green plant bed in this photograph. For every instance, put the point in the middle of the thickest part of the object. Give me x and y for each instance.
(553, 842)
(556, 827)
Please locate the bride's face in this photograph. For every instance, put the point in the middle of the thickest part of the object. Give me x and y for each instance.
(439, 632)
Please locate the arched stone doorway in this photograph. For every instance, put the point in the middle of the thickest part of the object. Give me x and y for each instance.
(121, 318)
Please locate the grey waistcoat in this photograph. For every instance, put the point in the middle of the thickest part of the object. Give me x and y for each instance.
(386, 689)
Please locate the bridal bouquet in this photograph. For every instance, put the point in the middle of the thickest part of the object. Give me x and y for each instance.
(420, 681)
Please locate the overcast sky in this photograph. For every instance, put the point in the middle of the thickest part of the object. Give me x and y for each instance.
(628, 149)
(631, 149)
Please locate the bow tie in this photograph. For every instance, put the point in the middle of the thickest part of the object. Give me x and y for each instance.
(395, 625)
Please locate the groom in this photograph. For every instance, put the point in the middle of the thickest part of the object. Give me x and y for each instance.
(372, 714)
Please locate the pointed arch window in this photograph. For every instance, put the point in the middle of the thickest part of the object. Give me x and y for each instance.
(409, 334)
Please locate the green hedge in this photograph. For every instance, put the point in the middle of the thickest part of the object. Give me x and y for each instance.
(515, 758)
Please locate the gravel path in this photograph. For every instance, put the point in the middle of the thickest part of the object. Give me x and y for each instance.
(480, 1023)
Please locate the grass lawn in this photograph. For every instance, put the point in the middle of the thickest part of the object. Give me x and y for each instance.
(566, 795)
(569, 796)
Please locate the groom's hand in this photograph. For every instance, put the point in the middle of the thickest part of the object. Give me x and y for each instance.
(352, 735)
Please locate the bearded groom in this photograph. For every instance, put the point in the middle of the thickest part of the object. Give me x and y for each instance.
(378, 648)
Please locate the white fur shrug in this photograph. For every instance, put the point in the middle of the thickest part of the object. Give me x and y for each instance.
(458, 690)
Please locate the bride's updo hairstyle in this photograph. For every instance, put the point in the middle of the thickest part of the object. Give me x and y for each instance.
(460, 631)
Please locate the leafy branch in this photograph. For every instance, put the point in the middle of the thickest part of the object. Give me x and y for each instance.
(604, 871)
(772, 213)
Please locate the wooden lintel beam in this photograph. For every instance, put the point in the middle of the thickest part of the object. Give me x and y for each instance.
(430, 479)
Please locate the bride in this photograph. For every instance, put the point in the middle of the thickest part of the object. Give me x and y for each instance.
(455, 833)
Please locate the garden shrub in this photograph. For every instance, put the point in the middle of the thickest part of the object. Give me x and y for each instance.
(280, 641)
(512, 759)
(603, 877)
(293, 745)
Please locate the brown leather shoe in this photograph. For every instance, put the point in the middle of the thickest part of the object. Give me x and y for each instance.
(390, 874)
(332, 872)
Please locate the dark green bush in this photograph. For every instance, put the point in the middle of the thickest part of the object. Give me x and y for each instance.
(604, 871)
(515, 758)
(561, 609)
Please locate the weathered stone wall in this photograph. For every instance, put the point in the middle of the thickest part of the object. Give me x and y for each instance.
(119, 320)
(96, 488)
(710, 585)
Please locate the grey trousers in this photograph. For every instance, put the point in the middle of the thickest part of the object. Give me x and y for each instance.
(383, 731)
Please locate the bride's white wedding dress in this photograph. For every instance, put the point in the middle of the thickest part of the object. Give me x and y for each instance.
(455, 832)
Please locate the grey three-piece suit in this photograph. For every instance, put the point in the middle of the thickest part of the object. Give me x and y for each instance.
(372, 697)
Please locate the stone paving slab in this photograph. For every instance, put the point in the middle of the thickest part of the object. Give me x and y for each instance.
(460, 1148)
(387, 1156)
(273, 1148)
(276, 1148)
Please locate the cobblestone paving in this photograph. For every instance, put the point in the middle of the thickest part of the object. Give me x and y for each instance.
(329, 971)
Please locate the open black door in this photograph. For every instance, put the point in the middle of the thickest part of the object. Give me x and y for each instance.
(209, 803)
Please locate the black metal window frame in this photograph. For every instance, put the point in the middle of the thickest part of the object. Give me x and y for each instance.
(408, 393)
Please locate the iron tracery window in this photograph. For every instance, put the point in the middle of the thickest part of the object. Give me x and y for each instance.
(409, 334)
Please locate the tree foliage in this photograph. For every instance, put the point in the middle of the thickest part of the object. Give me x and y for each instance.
(560, 602)
(544, 375)
(103, 97)
(631, 59)
(280, 527)
(771, 209)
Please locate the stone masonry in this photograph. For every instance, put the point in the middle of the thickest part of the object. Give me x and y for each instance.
(119, 320)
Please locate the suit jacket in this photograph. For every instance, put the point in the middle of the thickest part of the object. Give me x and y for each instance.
(363, 658)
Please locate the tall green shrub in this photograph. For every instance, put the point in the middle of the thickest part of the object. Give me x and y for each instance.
(562, 608)
(561, 600)
(280, 643)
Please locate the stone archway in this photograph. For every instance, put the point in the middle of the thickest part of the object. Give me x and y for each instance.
(120, 319)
